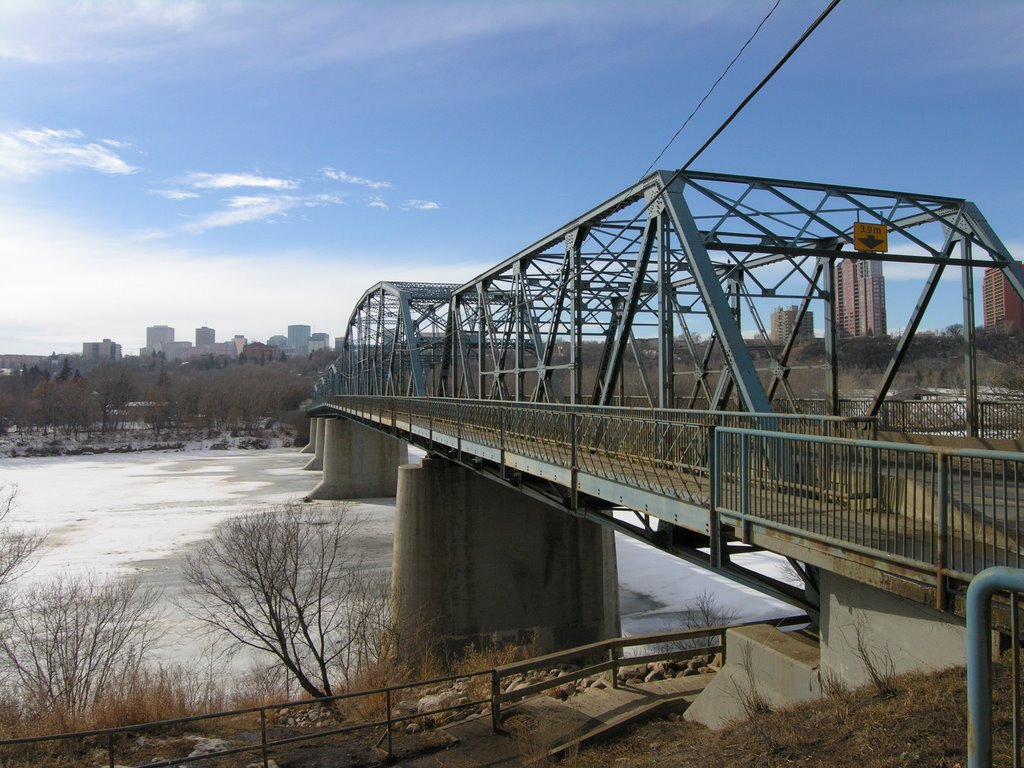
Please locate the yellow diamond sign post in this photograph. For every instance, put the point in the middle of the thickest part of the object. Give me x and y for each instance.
(870, 237)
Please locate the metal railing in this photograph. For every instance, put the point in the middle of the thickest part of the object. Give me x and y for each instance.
(996, 419)
(927, 510)
(951, 512)
(665, 452)
(985, 586)
(385, 701)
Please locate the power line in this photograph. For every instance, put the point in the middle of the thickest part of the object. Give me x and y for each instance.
(711, 89)
(764, 81)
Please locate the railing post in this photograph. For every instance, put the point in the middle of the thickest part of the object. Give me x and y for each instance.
(942, 529)
(613, 657)
(110, 749)
(502, 413)
(744, 488)
(574, 462)
(495, 703)
(387, 698)
(714, 491)
(263, 737)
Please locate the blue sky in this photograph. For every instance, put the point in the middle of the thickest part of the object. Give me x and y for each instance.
(249, 165)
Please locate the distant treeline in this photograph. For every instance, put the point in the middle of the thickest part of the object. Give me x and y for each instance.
(219, 394)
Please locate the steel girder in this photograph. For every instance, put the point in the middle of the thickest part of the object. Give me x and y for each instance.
(660, 295)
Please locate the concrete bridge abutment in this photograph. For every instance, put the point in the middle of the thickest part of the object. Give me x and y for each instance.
(316, 439)
(863, 633)
(862, 625)
(358, 462)
(475, 561)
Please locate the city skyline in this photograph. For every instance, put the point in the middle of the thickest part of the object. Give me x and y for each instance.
(231, 162)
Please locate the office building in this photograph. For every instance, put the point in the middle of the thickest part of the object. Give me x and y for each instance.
(1002, 308)
(205, 337)
(860, 298)
(101, 350)
(298, 338)
(783, 321)
(319, 341)
(157, 336)
(177, 350)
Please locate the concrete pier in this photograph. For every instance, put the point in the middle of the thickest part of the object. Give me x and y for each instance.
(310, 447)
(477, 561)
(358, 462)
(316, 437)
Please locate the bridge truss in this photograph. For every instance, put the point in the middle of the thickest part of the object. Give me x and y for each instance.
(661, 297)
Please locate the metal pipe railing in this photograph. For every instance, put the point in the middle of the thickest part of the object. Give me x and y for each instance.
(982, 589)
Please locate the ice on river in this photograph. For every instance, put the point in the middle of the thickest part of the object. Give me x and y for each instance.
(143, 512)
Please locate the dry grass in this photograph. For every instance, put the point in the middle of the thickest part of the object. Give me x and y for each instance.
(921, 722)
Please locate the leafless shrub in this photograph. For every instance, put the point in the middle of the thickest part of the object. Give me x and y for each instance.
(833, 685)
(755, 704)
(70, 641)
(878, 663)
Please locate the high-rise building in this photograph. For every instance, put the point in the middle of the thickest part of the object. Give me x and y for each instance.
(1002, 307)
(298, 338)
(101, 350)
(158, 335)
(860, 298)
(205, 337)
(783, 321)
(319, 341)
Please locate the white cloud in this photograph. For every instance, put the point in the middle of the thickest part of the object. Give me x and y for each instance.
(62, 295)
(321, 200)
(376, 202)
(28, 153)
(174, 194)
(336, 175)
(244, 209)
(233, 180)
(423, 205)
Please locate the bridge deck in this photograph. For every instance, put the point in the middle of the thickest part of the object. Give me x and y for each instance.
(909, 518)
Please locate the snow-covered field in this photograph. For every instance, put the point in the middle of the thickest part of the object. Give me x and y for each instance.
(143, 512)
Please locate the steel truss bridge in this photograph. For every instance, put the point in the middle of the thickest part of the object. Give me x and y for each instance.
(622, 369)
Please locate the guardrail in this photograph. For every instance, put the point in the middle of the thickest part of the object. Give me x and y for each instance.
(951, 512)
(982, 590)
(383, 699)
(659, 451)
(996, 419)
(911, 509)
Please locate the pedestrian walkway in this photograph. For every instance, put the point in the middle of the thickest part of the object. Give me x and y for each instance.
(542, 726)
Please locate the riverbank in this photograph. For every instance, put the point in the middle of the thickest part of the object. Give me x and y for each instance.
(27, 445)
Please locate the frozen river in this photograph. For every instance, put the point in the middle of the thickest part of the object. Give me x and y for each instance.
(142, 512)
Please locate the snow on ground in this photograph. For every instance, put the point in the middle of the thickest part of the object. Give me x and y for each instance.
(142, 513)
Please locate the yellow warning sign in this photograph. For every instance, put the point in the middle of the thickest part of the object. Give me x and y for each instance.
(870, 237)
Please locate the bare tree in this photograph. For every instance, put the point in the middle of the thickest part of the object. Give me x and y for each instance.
(289, 582)
(16, 547)
(71, 640)
(113, 385)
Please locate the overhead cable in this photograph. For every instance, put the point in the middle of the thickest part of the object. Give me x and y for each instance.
(711, 89)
